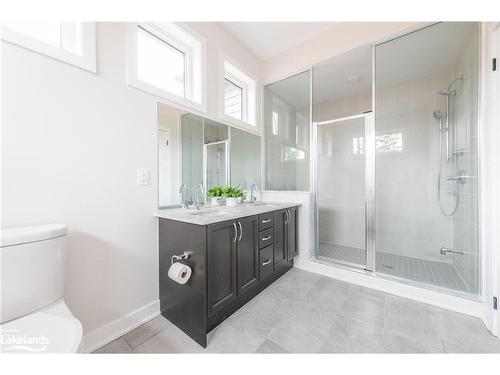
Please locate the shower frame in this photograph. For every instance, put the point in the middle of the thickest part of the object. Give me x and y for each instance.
(370, 207)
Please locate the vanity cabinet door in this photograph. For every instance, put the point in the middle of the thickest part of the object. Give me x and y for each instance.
(247, 253)
(280, 253)
(221, 264)
(291, 233)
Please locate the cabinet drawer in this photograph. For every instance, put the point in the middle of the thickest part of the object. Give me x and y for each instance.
(266, 262)
(266, 220)
(266, 237)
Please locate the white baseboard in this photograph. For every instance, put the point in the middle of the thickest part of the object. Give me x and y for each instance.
(111, 331)
(445, 301)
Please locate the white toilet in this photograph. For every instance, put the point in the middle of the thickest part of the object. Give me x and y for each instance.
(33, 315)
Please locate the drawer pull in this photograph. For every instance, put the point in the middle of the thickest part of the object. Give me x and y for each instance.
(235, 232)
(266, 221)
(267, 262)
(266, 238)
(241, 231)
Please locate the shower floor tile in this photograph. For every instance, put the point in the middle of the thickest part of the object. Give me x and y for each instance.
(425, 271)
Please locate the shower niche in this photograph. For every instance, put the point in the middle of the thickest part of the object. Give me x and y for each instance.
(396, 188)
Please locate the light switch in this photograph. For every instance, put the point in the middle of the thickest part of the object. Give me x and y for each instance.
(143, 177)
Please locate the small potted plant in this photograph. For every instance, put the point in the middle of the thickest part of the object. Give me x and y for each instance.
(215, 193)
(233, 195)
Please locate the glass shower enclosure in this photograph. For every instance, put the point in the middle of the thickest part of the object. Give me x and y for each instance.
(396, 189)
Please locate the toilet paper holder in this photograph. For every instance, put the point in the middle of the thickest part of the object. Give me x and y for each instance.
(184, 255)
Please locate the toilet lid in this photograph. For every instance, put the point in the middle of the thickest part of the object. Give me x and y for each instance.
(52, 329)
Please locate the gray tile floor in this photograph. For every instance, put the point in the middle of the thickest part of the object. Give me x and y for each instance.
(425, 271)
(306, 313)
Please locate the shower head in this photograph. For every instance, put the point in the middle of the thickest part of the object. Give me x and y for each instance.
(438, 115)
(446, 92)
(453, 87)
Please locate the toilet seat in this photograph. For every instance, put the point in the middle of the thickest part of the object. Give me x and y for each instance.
(52, 329)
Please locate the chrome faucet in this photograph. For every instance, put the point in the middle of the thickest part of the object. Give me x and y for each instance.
(252, 197)
(186, 200)
(199, 202)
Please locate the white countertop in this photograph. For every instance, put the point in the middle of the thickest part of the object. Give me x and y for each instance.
(214, 214)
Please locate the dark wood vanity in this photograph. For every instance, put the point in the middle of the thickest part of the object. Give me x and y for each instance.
(231, 261)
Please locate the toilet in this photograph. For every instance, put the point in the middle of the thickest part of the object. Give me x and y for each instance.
(33, 315)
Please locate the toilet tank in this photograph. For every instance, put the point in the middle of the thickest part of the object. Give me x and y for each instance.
(33, 268)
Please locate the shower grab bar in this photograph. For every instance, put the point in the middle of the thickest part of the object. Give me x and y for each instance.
(446, 250)
(459, 177)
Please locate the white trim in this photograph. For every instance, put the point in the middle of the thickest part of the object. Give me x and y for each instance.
(489, 183)
(113, 330)
(446, 301)
(172, 99)
(240, 124)
(87, 60)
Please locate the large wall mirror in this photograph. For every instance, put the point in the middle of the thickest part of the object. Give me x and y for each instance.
(193, 151)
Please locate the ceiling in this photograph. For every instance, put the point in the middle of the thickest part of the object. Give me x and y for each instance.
(267, 39)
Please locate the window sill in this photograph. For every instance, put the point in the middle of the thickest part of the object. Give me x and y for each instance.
(240, 124)
(86, 61)
(175, 100)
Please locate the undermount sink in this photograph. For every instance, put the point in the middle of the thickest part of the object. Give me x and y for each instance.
(209, 213)
(263, 204)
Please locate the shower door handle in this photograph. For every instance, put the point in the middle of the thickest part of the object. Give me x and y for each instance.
(366, 226)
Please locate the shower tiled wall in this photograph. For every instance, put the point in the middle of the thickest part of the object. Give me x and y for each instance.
(408, 217)
(341, 174)
(341, 184)
(287, 127)
(342, 107)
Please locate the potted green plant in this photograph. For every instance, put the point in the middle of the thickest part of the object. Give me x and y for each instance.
(215, 193)
(233, 195)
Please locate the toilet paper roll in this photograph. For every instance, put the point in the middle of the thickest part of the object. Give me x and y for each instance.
(179, 272)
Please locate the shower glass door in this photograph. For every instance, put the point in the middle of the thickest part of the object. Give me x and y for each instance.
(216, 164)
(341, 190)
(426, 104)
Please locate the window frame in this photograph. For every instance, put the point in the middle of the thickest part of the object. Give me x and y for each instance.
(186, 101)
(243, 98)
(186, 83)
(250, 85)
(86, 61)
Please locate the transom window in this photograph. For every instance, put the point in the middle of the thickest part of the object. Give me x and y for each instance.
(240, 96)
(70, 42)
(160, 63)
(233, 99)
(166, 60)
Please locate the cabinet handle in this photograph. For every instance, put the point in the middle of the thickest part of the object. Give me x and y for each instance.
(287, 217)
(267, 262)
(266, 221)
(266, 238)
(241, 231)
(235, 232)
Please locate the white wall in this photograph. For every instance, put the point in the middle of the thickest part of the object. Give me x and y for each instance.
(72, 142)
